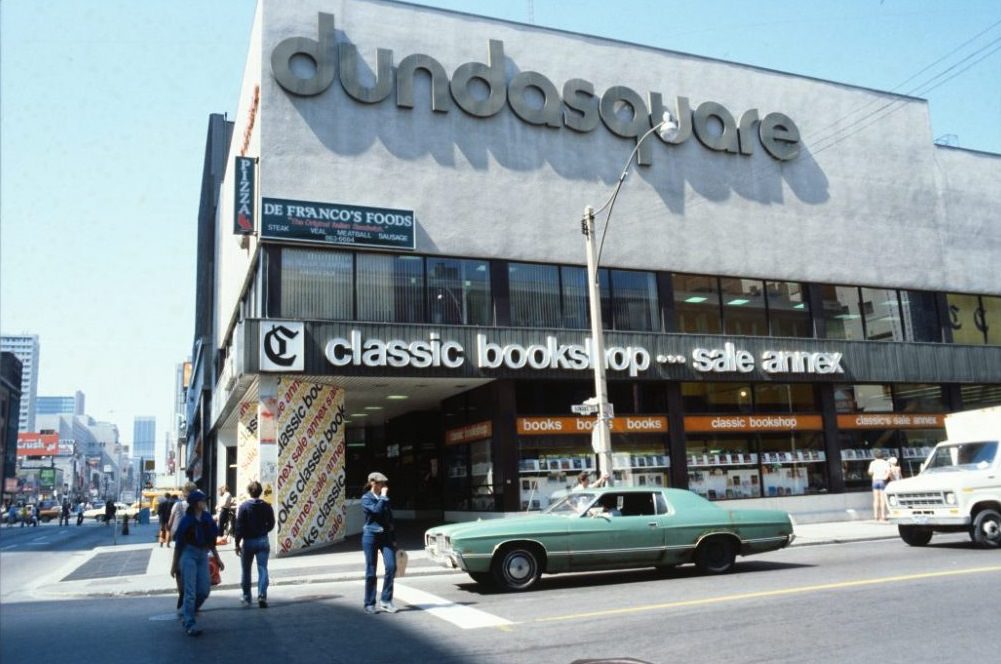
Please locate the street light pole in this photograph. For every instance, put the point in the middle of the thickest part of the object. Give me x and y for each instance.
(601, 435)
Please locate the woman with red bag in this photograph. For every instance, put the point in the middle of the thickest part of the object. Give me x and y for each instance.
(195, 540)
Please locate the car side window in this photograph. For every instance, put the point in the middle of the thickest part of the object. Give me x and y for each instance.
(638, 504)
(661, 504)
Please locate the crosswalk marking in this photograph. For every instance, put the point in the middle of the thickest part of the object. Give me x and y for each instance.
(465, 617)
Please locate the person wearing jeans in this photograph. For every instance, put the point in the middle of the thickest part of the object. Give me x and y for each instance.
(255, 518)
(378, 536)
(196, 535)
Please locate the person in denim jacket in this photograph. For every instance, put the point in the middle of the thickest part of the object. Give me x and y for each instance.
(378, 535)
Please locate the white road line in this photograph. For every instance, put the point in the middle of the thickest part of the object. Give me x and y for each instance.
(12, 546)
(465, 617)
(39, 540)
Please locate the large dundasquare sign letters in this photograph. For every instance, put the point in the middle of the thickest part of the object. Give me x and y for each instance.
(578, 108)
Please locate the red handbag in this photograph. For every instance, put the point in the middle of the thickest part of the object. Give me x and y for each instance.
(215, 578)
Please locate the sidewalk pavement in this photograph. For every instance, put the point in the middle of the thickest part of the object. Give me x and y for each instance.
(343, 561)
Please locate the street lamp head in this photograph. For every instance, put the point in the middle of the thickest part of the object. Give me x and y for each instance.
(668, 127)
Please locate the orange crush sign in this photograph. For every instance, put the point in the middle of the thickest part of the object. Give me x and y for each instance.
(563, 426)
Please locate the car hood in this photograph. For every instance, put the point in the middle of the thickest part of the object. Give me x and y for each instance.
(931, 481)
(518, 525)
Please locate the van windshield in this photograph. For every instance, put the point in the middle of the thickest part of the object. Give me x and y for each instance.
(963, 456)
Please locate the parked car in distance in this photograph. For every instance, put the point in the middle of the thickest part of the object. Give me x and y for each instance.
(49, 510)
(120, 509)
(604, 529)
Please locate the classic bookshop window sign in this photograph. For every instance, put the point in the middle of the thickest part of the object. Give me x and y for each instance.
(335, 223)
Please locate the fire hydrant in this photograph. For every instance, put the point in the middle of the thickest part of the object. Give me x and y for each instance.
(125, 524)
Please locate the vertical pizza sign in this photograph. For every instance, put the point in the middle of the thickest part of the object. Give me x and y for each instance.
(309, 482)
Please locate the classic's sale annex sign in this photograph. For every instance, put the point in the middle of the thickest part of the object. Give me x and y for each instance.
(309, 427)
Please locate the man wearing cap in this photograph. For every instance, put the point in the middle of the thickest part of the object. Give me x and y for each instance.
(378, 535)
(195, 539)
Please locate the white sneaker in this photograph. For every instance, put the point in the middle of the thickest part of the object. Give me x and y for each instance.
(388, 607)
(370, 608)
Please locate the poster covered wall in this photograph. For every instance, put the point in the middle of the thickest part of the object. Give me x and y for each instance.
(309, 482)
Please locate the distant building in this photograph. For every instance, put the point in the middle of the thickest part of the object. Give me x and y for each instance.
(67, 405)
(26, 348)
(10, 401)
(144, 437)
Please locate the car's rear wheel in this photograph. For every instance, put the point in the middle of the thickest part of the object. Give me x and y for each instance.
(987, 529)
(516, 567)
(716, 555)
(915, 535)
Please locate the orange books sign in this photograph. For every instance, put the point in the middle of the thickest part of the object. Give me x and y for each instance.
(563, 426)
(892, 421)
(751, 423)
(469, 433)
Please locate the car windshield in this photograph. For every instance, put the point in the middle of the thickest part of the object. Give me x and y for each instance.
(963, 456)
(572, 504)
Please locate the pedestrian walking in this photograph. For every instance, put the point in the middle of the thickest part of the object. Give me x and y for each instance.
(225, 509)
(378, 537)
(163, 510)
(177, 511)
(255, 518)
(195, 541)
(36, 514)
(110, 509)
(879, 471)
(79, 513)
(64, 514)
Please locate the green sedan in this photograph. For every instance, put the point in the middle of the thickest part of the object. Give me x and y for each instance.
(609, 528)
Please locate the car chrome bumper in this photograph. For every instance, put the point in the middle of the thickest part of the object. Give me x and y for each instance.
(901, 518)
(451, 560)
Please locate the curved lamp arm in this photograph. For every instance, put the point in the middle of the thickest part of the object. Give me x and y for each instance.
(669, 126)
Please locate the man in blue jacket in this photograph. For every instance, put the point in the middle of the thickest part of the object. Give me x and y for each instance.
(378, 535)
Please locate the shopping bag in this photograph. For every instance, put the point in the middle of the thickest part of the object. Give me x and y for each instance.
(401, 562)
(215, 578)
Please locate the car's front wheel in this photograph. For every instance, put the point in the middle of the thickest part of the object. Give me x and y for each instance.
(516, 567)
(915, 535)
(987, 529)
(716, 555)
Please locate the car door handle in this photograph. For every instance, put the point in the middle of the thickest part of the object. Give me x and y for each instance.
(652, 524)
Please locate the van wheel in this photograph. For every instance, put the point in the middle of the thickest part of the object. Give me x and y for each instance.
(987, 529)
(914, 535)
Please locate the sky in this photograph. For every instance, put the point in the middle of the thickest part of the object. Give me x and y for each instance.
(104, 108)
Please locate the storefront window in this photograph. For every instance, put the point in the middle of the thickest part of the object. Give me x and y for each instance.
(696, 303)
(881, 309)
(916, 445)
(634, 301)
(788, 311)
(457, 493)
(721, 467)
(784, 398)
(744, 307)
(574, 292)
(716, 397)
(921, 322)
(992, 318)
(317, 284)
(459, 292)
(967, 319)
(841, 313)
(863, 398)
(534, 292)
(858, 449)
(481, 477)
(793, 464)
(980, 396)
(918, 398)
(390, 288)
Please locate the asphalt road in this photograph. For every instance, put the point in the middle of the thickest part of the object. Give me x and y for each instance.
(880, 601)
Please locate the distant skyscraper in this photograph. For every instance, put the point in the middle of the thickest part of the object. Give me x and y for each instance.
(26, 348)
(73, 405)
(144, 437)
